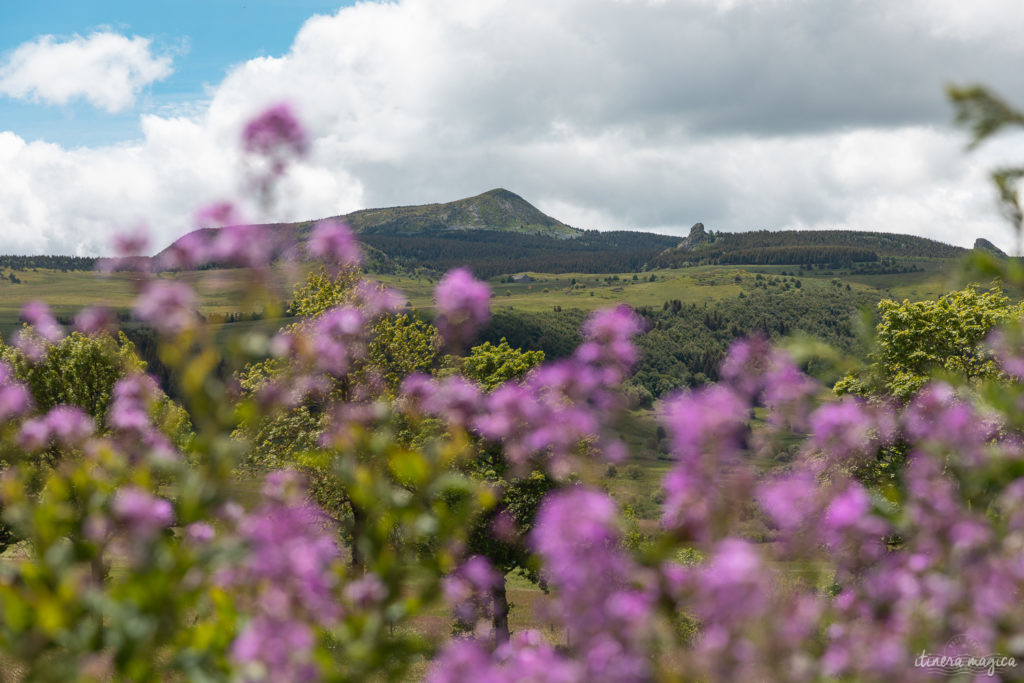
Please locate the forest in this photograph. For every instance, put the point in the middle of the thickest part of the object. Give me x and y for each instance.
(796, 247)
(489, 253)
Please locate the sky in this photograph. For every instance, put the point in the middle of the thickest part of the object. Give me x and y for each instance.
(608, 114)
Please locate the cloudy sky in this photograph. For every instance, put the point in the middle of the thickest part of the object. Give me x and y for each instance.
(639, 114)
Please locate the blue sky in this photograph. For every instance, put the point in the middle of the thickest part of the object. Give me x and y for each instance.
(606, 114)
(204, 38)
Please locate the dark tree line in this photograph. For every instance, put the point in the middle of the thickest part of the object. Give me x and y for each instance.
(798, 256)
(490, 253)
(50, 262)
(803, 247)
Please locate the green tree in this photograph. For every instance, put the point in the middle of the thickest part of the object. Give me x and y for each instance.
(399, 345)
(914, 339)
(81, 370)
(490, 366)
(78, 370)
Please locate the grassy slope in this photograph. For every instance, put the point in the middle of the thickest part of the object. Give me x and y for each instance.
(223, 291)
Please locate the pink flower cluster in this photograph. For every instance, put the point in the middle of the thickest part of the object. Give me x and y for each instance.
(15, 400)
(463, 306)
(289, 567)
(68, 426)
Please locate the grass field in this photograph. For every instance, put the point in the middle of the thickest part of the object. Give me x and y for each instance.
(227, 291)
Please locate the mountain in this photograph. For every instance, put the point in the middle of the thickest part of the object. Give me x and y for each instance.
(496, 210)
(500, 233)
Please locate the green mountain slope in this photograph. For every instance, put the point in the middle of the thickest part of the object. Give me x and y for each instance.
(799, 247)
(497, 210)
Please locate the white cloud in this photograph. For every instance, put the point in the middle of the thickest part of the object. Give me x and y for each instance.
(106, 69)
(607, 114)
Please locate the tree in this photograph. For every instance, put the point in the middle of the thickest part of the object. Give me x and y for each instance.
(398, 346)
(490, 366)
(914, 339)
(81, 370)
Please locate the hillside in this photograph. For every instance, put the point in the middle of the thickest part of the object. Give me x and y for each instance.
(500, 233)
(490, 253)
(496, 210)
(799, 247)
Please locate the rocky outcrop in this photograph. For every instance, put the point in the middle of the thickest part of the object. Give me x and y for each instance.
(984, 245)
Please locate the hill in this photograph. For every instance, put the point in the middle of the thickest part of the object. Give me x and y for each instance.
(500, 233)
(496, 210)
(799, 247)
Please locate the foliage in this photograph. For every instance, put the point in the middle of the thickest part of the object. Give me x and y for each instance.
(62, 263)
(492, 365)
(140, 563)
(78, 370)
(401, 345)
(916, 339)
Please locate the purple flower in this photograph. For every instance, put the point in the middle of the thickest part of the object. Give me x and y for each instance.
(846, 430)
(34, 435)
(791, 501)
(31, 345)
(463, 305)
(746, 364)
(284, 486)
(129, 252)
(281, 649)
(95, 320)
(168, 306)
(37, 314)
(291, 552)
(366, 591)
(705, 421)
(1010, 358)
(454, 399)
(334, 242)
(608, 335)
(937, 416)
(143, 514)
(275, 132)
(189, 251)
(468, 589)
(128, 244)
(850, 528)
(68, 425)
(605, 618)
(217, 215)
(247, 246)
(200, 532)
(15, 400)
(339, 338)
(376, 299)
(129, 409)
(526, 658)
